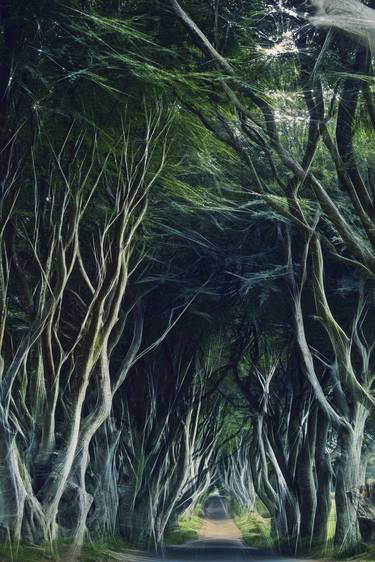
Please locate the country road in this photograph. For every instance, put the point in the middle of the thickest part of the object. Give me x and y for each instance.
(219, 539)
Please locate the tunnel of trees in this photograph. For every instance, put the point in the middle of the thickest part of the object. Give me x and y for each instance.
(187, 265)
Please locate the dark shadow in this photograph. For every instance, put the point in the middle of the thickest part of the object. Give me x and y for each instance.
(215, 550)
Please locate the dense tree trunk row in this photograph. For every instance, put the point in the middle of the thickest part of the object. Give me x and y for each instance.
(57, 381)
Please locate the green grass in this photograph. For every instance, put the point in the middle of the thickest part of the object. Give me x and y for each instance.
(97, 552)
(255, 529)
(369, 554)
(332, 552)
(332, 521)
(101, 552)
(24, 553)
(328, 550)
(255, 526)
(187, 530)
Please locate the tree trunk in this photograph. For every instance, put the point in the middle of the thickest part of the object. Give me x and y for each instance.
(306, 484)
(348, 478)
(323, 478)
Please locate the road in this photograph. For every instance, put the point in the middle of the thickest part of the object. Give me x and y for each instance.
(219, 539)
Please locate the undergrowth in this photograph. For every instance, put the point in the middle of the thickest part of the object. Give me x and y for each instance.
(255, 529)
(187, 529)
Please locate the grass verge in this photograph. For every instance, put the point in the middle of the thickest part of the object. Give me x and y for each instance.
(369, 554)
(97, 552)
(187, 529)
(255, 529)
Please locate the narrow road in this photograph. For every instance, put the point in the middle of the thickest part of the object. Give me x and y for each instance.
(219, 539)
